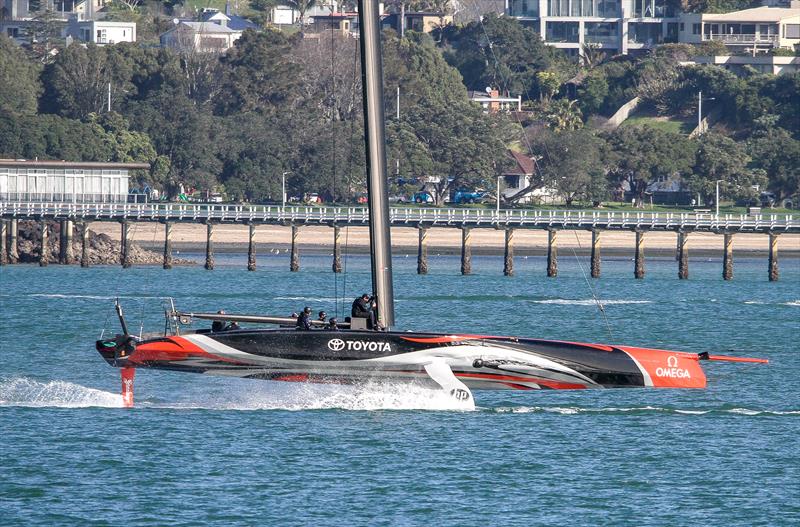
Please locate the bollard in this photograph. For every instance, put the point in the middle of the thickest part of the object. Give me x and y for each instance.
(727, 258)
(552, 253)
(422, 251)
(773, 257)
(337, 249)
(167, 245)
(251, 248)
(294, 262)
(638, 270)
(595, 253)
(508, 260)
(683, 255)
(84, 244)
(466, 251)
(209, 246)
(43, 251)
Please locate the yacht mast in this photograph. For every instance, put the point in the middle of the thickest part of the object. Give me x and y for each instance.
(374, 138)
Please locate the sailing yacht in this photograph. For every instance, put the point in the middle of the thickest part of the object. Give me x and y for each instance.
(456, 363)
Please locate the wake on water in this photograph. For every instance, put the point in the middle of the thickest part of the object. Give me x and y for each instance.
(25, 392)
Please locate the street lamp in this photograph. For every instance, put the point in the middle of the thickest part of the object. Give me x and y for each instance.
(283, 188)
(700, 111)
(717, 200)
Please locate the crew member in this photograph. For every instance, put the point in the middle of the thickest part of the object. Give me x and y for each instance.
(332, 324)
(364, 307)
(321, 316)
(304, 320)
(218, 325)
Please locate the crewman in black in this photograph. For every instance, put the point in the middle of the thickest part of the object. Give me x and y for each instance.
(304, 320)
(218, 325)
(363, 307)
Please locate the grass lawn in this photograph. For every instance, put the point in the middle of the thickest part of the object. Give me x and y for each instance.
(667, 124)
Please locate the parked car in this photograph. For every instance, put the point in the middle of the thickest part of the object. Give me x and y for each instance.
(312, 198)
(469, 196)
(423, 196)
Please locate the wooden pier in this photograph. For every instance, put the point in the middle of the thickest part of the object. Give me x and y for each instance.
(250, 216)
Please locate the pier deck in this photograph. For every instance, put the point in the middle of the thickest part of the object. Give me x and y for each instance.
(402, 216)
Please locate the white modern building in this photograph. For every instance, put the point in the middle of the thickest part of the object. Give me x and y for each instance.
(203, 37)
(63, 181)
(754, 30)
(101, 32)
(616, 26)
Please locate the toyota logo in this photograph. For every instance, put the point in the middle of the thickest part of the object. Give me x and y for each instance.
(336, 344)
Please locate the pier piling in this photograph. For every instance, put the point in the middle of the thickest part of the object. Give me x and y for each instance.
(251, 247)
(167, 245)
(127, 257)
(683, 255)
(65, 242)
(336, 266)
(209, 246)
(466, 251)
(123, 239)
(638, 270)
(422, 251)
(773, 257)
(62, 242)
(294, 261)
(84, 229)
(595, 253)
(43, 251)
(3, 241)
(552, 253)
(727, 258)
(508, 260)
(13, 248)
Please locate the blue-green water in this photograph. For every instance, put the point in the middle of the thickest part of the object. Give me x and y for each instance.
(200, 450)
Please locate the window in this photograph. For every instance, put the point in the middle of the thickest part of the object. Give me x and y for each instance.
(695, 29)
(13, 32)
(682, 29)
(793, 31)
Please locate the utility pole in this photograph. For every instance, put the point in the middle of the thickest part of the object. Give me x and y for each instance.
(109, 97)
(700, 112)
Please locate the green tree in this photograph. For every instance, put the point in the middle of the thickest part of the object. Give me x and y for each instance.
(720, 158)
(641, 155)
(19, 79)
(774, 151)
(572, 161)
(500, 52)
(258, 73)
(77, 82)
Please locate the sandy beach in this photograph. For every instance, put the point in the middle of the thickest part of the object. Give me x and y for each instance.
(229, 237)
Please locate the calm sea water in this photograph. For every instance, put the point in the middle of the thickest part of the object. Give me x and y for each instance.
(201, 450)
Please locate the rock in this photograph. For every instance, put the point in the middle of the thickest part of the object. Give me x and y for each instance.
(103, 250)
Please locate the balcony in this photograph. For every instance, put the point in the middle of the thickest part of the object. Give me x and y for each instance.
(743, 38)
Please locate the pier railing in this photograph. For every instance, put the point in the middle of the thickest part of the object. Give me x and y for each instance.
(400, 216)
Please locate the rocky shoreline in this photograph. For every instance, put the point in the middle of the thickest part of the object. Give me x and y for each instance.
(101, 248)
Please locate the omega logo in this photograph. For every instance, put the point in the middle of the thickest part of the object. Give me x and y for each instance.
(672, 370)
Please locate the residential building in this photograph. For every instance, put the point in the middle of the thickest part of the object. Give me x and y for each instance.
(520, 176)
(492, 102)
(755, 30)
(203, 37)
(421, 22)
(344, 23)
(64, 181)
(740, 64)
(284, 15)
(615, 26)
(101, 32)
(227, 19)
(28, 9)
